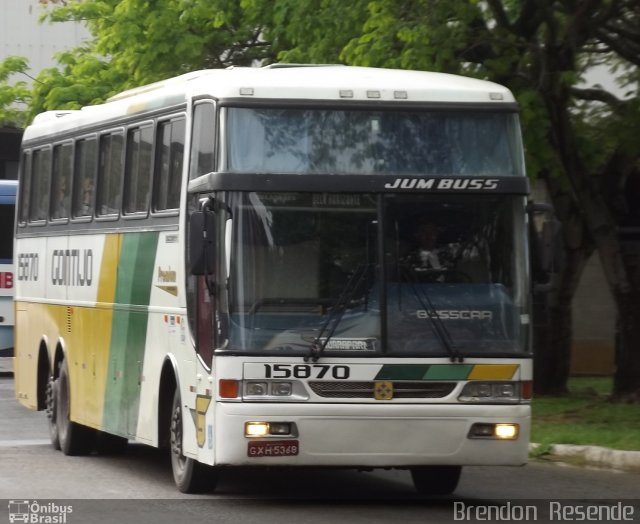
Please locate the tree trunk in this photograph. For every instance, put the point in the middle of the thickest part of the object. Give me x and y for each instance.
(620, 270)
(553, 319)
(553, 322)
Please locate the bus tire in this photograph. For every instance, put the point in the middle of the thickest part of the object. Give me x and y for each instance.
(51, 397)
(189, 475)
(436, 480)
(75, 439)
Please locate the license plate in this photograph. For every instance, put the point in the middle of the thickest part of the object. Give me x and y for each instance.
(273, 448)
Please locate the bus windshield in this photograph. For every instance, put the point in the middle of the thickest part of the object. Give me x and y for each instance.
(377, 274)
(317, 141)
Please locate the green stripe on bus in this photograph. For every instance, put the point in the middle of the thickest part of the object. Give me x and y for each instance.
(424, 372)
(129, 332)
(402, 372)
(448, 372)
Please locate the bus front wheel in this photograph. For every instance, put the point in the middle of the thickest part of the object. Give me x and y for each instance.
(74, 438)
(436, 480)
(189, 475)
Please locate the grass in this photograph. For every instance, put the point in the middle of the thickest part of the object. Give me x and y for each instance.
(586, 416)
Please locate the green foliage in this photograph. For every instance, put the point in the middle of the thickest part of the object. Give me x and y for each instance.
(13, 97)
(314, 31)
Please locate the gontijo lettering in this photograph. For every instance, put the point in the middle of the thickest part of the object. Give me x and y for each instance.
(72, 267)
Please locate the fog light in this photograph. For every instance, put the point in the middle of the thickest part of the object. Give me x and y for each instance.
(507, 431)
(256, 429)
(494, 431)
(482, 431)
(280, 428)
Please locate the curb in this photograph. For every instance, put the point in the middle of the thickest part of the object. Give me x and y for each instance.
(595, 456)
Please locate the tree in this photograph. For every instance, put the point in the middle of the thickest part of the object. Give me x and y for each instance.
(581, 141)
(136, 42)
(541, 50)
(13, 97)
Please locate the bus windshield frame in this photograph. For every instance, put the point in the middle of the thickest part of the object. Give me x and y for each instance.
(345, 272)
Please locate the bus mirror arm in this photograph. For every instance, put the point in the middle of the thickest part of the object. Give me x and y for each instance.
(202, 240)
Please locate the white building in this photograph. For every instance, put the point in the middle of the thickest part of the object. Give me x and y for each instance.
(22, 33)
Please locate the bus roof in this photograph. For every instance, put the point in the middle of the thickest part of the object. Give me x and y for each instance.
(282, 82)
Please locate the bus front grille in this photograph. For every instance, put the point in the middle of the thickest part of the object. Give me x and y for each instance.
(401, 389)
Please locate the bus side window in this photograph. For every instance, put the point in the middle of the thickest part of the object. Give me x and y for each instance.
(110, 172)
(61, 182)
(40, 178)
(169, 161)
(84, 177)
(137, 171)
(25, 187)
(203, 140)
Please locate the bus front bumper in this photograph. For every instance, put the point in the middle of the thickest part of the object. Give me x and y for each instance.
(357, 435)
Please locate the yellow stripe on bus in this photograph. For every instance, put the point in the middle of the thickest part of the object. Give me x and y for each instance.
(493, 372)
(95, 344)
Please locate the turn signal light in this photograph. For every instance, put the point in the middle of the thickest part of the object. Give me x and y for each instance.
(228, 388)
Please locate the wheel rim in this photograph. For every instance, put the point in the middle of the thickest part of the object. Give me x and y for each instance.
(51, 401)
(62, 407)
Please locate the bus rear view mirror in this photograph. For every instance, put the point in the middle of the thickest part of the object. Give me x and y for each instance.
(545, 246)
(201, 242)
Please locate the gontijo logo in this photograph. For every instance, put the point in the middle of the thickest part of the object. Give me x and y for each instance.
(38, 513)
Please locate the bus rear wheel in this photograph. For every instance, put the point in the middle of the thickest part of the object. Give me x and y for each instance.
(436, 480)
(189, 475)
(74, 438)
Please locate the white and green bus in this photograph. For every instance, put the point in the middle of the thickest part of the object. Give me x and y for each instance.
(319, 266)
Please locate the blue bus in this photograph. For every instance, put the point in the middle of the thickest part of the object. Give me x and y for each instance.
(7, 216)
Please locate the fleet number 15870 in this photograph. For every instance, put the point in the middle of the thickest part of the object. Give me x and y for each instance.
(306, 371)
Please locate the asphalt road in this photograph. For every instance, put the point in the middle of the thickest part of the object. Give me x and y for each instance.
(138, 487)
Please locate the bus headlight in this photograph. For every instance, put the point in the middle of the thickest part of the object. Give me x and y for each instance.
(281, 389)
(265, 390)
(255, 389)
(490, 392)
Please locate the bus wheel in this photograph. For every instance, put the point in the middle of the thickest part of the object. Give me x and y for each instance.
(51, 396)
(436, 480)
(189, 475)
(75, 439)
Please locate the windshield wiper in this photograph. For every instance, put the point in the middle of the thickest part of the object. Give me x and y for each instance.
(338, 310)
(438, 326)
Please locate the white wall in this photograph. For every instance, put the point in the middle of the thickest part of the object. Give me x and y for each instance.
(21, 34)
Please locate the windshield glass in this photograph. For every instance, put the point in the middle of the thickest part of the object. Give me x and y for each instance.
(292, 257)
(463, 260)
(299, 262)
(452, 143)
